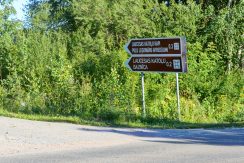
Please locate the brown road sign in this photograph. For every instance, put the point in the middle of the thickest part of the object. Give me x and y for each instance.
(157, 46)
(157, 64)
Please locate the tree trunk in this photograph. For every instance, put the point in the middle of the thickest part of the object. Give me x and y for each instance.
(229, 3)
(241, 58)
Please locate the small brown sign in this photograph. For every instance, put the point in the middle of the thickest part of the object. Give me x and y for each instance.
(156, 46)
(156, 64)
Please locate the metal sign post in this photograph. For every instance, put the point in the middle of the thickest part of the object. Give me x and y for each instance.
(178, 96)
(157, 55)
(143, 95)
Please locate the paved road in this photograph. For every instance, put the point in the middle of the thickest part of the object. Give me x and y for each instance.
(32, 141)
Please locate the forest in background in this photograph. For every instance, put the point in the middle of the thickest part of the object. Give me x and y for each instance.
(67, 58)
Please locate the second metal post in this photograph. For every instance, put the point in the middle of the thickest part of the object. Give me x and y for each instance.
(143, 96)
(178, 96)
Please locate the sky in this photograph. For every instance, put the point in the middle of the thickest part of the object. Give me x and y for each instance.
(19, 5)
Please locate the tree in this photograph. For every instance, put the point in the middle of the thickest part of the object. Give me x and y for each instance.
(8, 28)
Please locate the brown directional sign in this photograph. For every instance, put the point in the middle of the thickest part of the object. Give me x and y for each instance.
(157, 64)
(157, 46)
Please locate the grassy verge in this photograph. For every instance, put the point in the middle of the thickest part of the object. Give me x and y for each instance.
(35, 117)
(143, 123)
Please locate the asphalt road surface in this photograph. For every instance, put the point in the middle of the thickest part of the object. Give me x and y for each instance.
(32, 141)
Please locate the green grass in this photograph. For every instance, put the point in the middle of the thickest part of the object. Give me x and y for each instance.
(142, 123)
(68, 119)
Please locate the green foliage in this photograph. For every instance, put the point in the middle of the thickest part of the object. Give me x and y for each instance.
(228, 28)
(69, 60)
